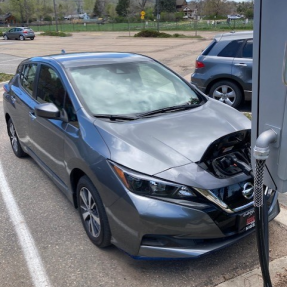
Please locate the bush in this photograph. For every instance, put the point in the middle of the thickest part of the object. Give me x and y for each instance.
(57, 34)
(152, 33)
(156, 34)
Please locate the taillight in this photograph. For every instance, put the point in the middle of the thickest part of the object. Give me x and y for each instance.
(199, 64)
(25, 32)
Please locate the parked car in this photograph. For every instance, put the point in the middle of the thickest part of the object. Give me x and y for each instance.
(154, 166)
(224, 69)
(19, 33)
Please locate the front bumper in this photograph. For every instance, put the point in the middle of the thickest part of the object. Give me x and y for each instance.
(196, 248)
(150, 228)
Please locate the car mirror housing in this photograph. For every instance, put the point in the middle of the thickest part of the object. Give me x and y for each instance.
(47, 110)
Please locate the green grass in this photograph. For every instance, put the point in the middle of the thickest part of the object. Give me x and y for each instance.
(5, 77)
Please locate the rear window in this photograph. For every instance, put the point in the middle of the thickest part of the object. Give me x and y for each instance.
(231, 49)
(208, 49)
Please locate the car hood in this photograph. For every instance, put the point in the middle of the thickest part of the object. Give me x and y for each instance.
(152, 145)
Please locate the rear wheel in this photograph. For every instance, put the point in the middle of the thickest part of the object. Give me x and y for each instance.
(15, 144)
(5, 37)
(32, 38)
(92, 213)
(226, 92)
(21, 38)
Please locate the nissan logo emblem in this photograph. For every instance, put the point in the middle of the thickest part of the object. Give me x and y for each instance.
(248, 190)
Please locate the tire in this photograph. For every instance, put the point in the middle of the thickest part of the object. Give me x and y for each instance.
(21, 38)
(32, 38)
(15, 144)
(226, 92)
(5, 37)
(92, 213)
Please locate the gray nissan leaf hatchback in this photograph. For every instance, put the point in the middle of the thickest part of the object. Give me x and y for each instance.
(153, 166)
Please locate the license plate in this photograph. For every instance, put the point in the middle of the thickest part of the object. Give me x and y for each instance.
(246, 221)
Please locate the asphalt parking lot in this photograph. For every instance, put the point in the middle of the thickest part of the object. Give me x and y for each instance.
(65, 256)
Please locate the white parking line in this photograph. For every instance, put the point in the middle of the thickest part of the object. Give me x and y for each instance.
(33, 259)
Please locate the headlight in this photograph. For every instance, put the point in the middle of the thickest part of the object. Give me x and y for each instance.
(145, 185)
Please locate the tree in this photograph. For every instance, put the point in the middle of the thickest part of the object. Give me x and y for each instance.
(111, 10)
(142, 4)
(245, 8)
(99, 8)
(167, 6)
(216, 8)
(22, 9)
(122, 7)
(88, 5)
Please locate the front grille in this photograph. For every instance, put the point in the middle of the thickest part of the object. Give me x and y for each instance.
(232, 195)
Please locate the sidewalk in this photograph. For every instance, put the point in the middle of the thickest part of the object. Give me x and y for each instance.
(278, 267)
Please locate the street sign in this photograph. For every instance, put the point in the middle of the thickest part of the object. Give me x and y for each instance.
(142, 17)
(142, 13)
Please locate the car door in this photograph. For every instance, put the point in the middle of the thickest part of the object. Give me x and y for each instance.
(21, 93)
(242, 65)
(11, 33)
(47, 135)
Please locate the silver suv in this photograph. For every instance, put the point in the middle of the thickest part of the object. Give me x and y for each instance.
(224, 69)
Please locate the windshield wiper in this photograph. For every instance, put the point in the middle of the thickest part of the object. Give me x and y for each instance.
(116, 117)
(170, 109)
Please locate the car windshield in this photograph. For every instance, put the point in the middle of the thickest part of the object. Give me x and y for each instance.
(130, 88)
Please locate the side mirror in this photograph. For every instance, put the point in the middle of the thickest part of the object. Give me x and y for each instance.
(6, 88)
(47, 110)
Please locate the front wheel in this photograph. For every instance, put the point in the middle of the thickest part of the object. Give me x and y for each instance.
(5, 37)
(15, 144)
(92, 213)
(21, 38)
(226, 92)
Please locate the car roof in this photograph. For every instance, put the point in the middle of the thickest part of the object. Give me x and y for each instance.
(89, 59)
(234, 36)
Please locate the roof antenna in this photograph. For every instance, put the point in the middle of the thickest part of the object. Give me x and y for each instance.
(63, 51)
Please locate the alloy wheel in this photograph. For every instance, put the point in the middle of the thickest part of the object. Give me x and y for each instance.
(89, 212)
(225, 94)
(13, 138)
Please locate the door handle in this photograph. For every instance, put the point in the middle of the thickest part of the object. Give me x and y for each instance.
(241, 64)
(32, 115)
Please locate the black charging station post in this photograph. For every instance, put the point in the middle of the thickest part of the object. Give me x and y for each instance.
(261, 153)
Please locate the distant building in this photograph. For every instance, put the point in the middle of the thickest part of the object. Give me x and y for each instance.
(7, 19)
(180, 4)
(189, 9)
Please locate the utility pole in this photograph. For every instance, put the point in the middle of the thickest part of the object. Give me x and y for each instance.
(56, 17)
(157, 14)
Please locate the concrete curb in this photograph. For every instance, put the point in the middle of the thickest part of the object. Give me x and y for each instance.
(277, 267)
(254, 277)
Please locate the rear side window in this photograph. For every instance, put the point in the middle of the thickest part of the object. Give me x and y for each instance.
(247, 51)
(231, 49)
(208, 49)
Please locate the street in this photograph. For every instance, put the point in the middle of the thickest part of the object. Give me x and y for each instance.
(66, 255)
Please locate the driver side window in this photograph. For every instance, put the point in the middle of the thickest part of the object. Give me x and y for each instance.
(50, 88)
